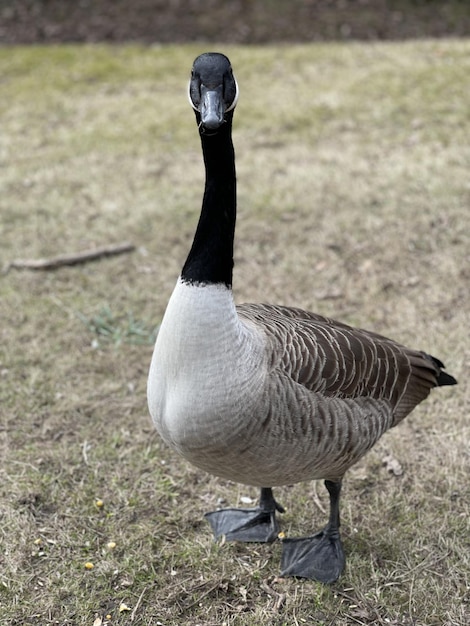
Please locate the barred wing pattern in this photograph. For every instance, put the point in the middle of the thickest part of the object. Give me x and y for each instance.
(335, 360)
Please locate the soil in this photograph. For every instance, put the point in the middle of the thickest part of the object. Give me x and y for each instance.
(237, 21)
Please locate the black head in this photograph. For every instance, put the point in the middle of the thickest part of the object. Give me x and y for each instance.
(213, 90)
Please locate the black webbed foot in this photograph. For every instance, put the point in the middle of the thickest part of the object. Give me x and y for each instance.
(257, 524)
(319, 557)
(244, 524)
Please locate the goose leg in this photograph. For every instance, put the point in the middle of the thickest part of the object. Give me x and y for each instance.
(321, 556)
(258, 524)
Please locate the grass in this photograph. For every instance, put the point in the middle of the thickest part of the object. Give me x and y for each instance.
(109, 327)
(354, 194)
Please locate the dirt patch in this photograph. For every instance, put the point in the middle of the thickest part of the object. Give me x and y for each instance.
(242, 21)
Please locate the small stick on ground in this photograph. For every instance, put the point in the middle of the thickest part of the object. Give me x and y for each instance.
(71, 259)
(134, 612)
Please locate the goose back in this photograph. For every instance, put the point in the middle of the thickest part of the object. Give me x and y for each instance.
(336, 360)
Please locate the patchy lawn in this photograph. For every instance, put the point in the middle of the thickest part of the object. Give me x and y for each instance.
(354, 197)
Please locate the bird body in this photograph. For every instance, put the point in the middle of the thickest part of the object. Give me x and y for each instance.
(271, 395)
(262, 394)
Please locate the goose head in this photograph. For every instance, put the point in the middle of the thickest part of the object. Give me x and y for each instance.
(212, 91)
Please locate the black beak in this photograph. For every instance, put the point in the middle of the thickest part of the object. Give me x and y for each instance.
(212, 108)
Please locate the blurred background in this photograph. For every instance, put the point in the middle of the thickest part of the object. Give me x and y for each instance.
(237, 21)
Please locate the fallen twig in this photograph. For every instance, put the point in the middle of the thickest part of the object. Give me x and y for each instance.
(71, 259)
(134, 612)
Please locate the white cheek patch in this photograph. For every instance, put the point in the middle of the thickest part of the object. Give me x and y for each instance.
(189, 97)
(235, 100)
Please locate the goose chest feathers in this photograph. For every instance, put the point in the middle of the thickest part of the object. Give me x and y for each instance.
(261, 394)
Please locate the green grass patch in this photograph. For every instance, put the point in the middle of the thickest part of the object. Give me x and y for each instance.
(111, 328)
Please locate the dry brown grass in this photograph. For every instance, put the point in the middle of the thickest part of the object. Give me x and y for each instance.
(354, 198)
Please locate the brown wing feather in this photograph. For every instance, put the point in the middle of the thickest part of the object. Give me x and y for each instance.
(336, 360)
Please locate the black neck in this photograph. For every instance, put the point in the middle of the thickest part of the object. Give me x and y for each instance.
(210, 259)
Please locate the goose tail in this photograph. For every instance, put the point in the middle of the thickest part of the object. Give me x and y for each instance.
(442, 377)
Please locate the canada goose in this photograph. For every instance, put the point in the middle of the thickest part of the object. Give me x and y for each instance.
(268, 395)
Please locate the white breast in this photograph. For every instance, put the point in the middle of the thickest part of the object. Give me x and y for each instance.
(206, 369)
